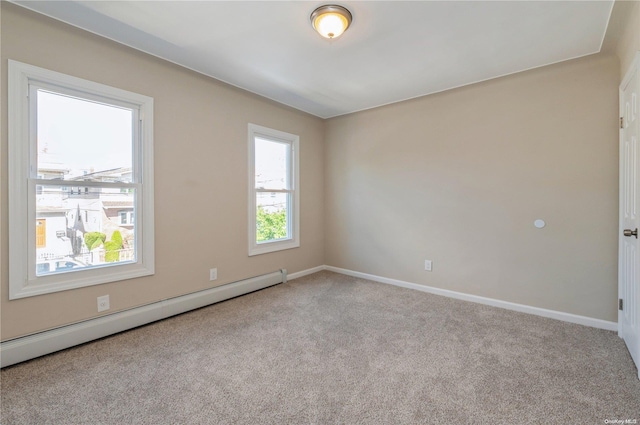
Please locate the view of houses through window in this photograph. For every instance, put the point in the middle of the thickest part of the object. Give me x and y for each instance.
(85, 199)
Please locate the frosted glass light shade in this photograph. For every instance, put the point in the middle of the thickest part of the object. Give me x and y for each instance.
(331, 21)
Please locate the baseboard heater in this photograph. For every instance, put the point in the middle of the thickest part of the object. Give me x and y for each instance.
(28, 347)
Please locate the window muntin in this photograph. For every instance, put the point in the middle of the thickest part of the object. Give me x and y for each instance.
(79, 151)
(274, 197)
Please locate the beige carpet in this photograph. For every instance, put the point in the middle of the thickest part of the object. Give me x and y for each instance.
(331, 349)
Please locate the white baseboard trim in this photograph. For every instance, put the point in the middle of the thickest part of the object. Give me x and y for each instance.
(32, 346)
(558, 315)
(36, 345)
(305, 272)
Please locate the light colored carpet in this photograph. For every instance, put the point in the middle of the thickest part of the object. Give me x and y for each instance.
(332, 349)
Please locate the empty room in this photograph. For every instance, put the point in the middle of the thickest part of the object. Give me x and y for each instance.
(298, 212)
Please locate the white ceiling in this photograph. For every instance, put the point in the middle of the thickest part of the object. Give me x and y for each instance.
(394, 50)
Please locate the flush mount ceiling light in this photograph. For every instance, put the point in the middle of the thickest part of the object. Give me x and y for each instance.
(331, 20)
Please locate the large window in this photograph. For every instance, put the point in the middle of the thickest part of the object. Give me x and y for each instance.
(274, 217)
(80, 153)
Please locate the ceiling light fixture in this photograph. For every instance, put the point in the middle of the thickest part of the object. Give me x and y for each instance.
(330, 21)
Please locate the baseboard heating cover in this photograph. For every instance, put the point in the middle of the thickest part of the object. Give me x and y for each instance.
(28, 347)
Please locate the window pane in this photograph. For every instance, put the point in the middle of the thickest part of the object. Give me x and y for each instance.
(272, 216)
(81, 227)
(83, 140)
(271, 164)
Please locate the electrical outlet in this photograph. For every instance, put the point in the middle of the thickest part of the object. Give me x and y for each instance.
(103, 303)
(213, 273)
(427, 265)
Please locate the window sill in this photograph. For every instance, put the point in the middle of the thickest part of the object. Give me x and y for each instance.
(267, 247)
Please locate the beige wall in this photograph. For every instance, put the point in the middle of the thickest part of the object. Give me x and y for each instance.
(200, 165)
(459, 178)
(628, 42)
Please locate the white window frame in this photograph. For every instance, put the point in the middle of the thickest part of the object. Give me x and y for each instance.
(23, 281)
(293, 202)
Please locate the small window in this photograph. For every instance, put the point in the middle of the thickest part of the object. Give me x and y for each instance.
(74, 143)
(274, 218)
(126, 218)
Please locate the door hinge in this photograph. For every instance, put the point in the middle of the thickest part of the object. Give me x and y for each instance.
(620, 304)
(621, 122)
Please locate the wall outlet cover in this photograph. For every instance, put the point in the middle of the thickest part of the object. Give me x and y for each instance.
(103, 303)
(428, 265)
